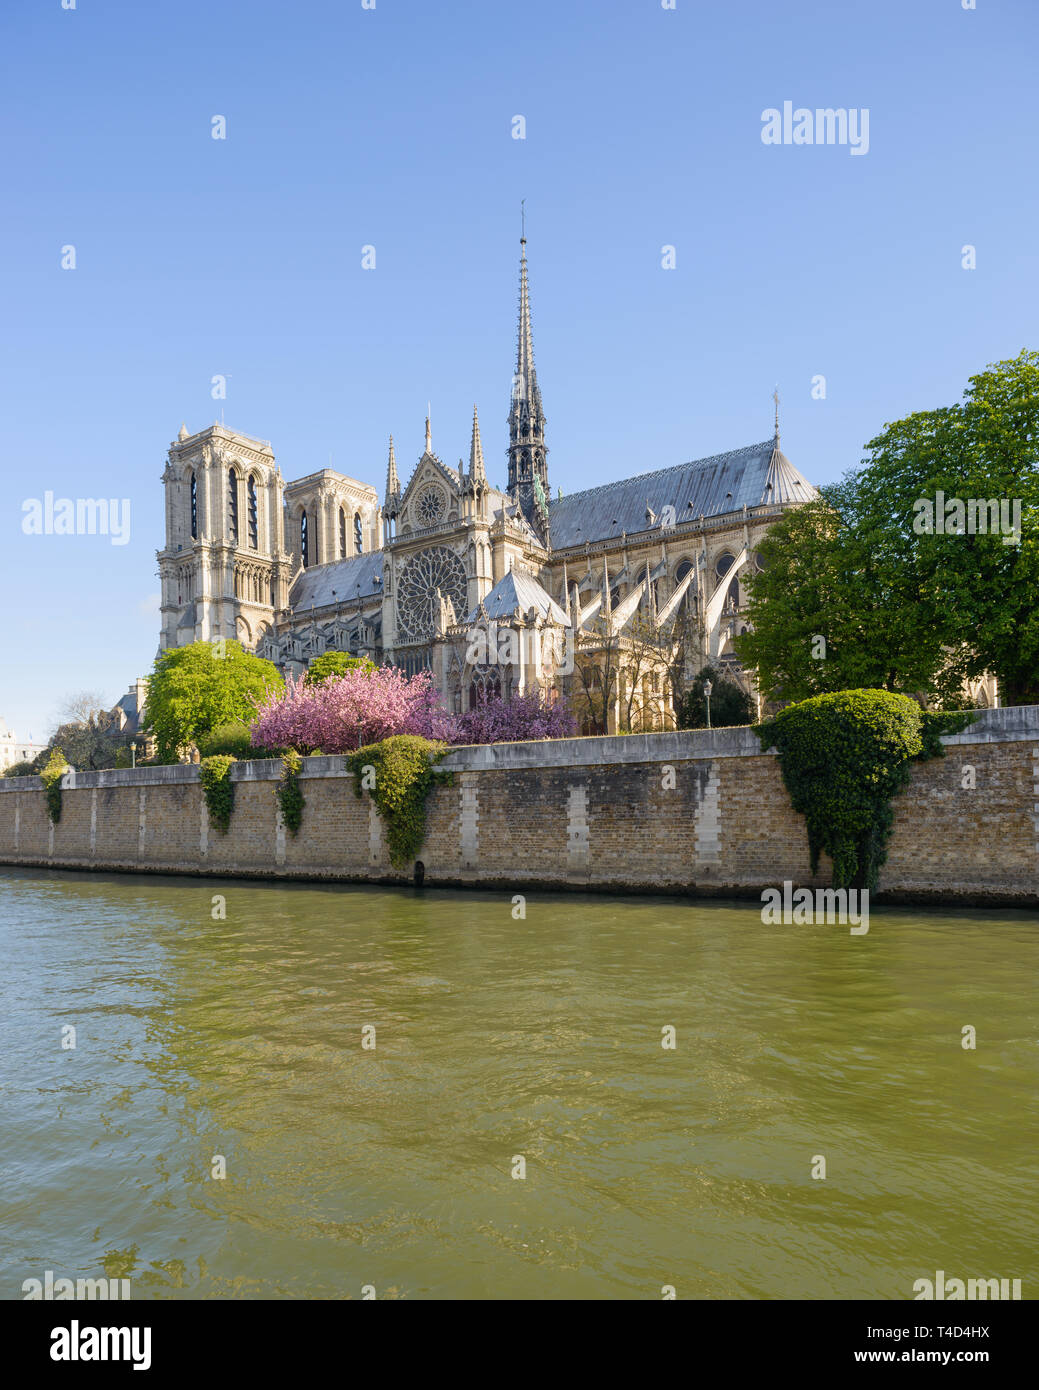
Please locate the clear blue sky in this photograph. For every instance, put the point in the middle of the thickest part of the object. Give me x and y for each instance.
(392, 127)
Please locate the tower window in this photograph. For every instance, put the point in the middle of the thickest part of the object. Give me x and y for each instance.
(194, 508)
(254, 524)
(232, 503)
(358, 533)
(342, 534)
(304, 539)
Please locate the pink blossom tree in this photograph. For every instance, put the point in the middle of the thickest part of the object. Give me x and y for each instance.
(356, 708)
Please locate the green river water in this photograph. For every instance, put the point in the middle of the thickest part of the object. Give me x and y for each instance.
(495, 1038)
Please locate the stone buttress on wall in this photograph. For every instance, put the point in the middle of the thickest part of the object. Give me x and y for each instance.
(700, 812)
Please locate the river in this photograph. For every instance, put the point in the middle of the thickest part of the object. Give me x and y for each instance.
(220, 1019)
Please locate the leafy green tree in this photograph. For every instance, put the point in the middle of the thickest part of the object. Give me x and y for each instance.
(897, 606)
(329, 665)
(194, 689)
(730, 703)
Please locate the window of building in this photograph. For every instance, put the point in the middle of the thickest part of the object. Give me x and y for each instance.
(232, 503)
(358, 533)
(254, 515)
(194, 508)
(304, 539)
(342, 534)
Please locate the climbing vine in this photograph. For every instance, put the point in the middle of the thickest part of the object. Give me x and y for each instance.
(844, 757)
(217, 788)
(289, 792)
(51, 776)
(399, 773)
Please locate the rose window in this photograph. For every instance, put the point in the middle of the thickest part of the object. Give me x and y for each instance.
(431, 506)
(420, 577)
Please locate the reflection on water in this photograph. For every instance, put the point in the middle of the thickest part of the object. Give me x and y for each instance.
(346, 1166)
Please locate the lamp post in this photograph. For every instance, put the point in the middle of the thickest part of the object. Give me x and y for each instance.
(707, 688)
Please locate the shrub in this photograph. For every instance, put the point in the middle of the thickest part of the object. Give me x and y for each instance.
(330, 665)
(403, 770)
(236, 740)
(843, 757)
(217, 788)
(289, 792)
(51, 777)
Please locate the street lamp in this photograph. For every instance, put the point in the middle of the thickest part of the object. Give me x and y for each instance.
(707, 688)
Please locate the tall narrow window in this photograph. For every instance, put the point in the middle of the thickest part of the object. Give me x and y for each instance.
(254, 519)
(194, 508)
(342, 534)
(232, 503)
(358, 533)
(304, 539)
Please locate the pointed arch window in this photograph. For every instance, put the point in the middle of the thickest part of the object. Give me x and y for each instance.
(232, 503)
(304, 538)
(254, 515)
(342, 534)
(194, 508)
(358, 534)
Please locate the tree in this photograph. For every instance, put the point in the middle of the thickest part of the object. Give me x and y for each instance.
(514, 721)
(594, 683)
(194, 689)
(730, 703)
(343, 712)
(904, 604)
(95, 742)
(331, 664)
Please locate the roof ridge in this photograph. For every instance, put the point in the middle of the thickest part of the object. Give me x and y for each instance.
(660, 472)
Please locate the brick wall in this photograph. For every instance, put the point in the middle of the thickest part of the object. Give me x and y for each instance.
(699, 812)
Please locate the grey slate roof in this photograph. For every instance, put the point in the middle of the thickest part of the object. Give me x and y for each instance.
(315, 585)
(517, 589)
(753, 476)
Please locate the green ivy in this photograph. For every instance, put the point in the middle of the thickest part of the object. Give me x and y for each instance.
(51, 776)
(844, 757)
(289, 792)
(217, 788)
(404, 772)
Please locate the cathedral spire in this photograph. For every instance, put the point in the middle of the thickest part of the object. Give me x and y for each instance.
(429, 434)
(476, 469)
(392, 481)
(528, 469)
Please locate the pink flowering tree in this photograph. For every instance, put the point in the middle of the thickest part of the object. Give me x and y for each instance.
(514, 721)
(345, 712)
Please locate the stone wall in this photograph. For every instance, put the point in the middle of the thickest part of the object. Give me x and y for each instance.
(696, 812)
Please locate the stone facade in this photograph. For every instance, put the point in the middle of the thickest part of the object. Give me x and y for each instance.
(702, 813)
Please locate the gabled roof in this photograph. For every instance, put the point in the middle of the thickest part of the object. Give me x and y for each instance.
(755, 476)
(315, 585)
(517, 589)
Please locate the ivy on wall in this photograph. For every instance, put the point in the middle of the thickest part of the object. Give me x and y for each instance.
(51, 777)
(289, 791)
(844, 756)
(217, 788)
(400, 773)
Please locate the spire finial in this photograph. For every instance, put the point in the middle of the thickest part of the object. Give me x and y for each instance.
(476, 468)
(775, 397)
(523, 222)
(392, 481)
(429, 434)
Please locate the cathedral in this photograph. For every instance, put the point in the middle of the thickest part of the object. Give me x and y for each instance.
(613, 597)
